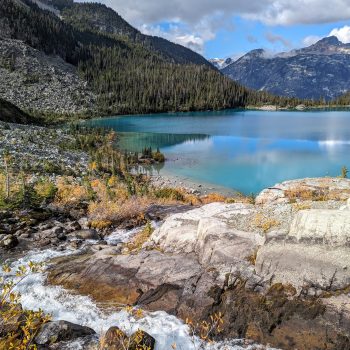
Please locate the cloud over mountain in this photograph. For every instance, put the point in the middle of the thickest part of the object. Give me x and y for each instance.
(194, 22)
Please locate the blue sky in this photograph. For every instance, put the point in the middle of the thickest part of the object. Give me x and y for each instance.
(226, 28)
(248, 35)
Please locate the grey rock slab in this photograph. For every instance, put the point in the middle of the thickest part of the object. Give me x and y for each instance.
(330, 227)
(304, 266)
(209, 232)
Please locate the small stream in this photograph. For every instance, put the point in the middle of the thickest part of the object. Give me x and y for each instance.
(65, 305)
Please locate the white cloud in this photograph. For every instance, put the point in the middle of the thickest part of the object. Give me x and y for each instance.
(287, 12)
(274, 38)
(199, 20)
(311, 39)
(178, 35)
(283, 12)
(343, 34)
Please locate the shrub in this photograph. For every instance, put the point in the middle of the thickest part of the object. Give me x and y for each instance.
(265, 223)
(207, 330)
(301, 206)
(100, 224)
(170, 193)
(158, 157)
(212, 198)
(71, 193)
(117, 212)
(45, 189)
(137, 242)
(344, 172)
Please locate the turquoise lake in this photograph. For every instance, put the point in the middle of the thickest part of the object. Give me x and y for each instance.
(242, 150)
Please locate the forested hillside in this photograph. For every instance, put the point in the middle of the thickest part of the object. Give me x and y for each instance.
(343, 100)
(126, 75)
(100, 18)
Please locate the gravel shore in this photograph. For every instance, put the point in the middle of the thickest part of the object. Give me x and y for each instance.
(189, 185)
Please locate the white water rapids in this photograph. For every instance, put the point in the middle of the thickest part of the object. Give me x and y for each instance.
(64, 305)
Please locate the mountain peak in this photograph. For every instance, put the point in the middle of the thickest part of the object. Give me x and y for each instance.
(329, 40)
(256, 52)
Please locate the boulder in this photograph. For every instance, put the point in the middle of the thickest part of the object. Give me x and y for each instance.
(141, 340)
(278, 274)
(9, 242)
(116, 339)
(152, 279)
(57, 331)
(210, 232)
(85, 234)
(73, 226)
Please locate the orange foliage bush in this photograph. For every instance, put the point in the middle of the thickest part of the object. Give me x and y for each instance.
(70, 193)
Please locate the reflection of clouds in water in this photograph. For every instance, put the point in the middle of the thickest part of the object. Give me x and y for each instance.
(333, 147)
(262, 158)
(201, 144)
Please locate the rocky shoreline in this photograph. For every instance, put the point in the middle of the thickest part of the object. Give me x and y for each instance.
(277, 270)
(166, 180)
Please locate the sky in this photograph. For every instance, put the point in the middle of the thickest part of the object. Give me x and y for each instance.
(230, 28)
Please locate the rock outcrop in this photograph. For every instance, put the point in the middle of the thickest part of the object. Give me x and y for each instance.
(278, 272)
(309, 189)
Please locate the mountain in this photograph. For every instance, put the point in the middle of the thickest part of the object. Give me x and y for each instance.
(221, 63)
(320, 71)
(52, 64)
(100, 18)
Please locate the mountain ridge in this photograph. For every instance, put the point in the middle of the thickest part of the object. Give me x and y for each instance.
(319, 71)
(101, 18)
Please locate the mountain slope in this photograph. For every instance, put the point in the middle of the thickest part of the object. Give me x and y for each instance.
(100, 18)
(33, 80)
(321, 71)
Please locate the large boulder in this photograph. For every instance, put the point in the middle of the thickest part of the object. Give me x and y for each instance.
(210, 233)
(116, 339)
(85, 234)
(58, 331)
(152, 279)
(9, 242)
(278, 273)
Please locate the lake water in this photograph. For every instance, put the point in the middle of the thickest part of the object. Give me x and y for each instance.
(243, 150)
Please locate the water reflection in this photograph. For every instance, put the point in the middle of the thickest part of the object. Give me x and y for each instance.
(137, 141)
(244, 150)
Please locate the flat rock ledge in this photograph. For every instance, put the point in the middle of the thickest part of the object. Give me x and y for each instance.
(278, 271)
